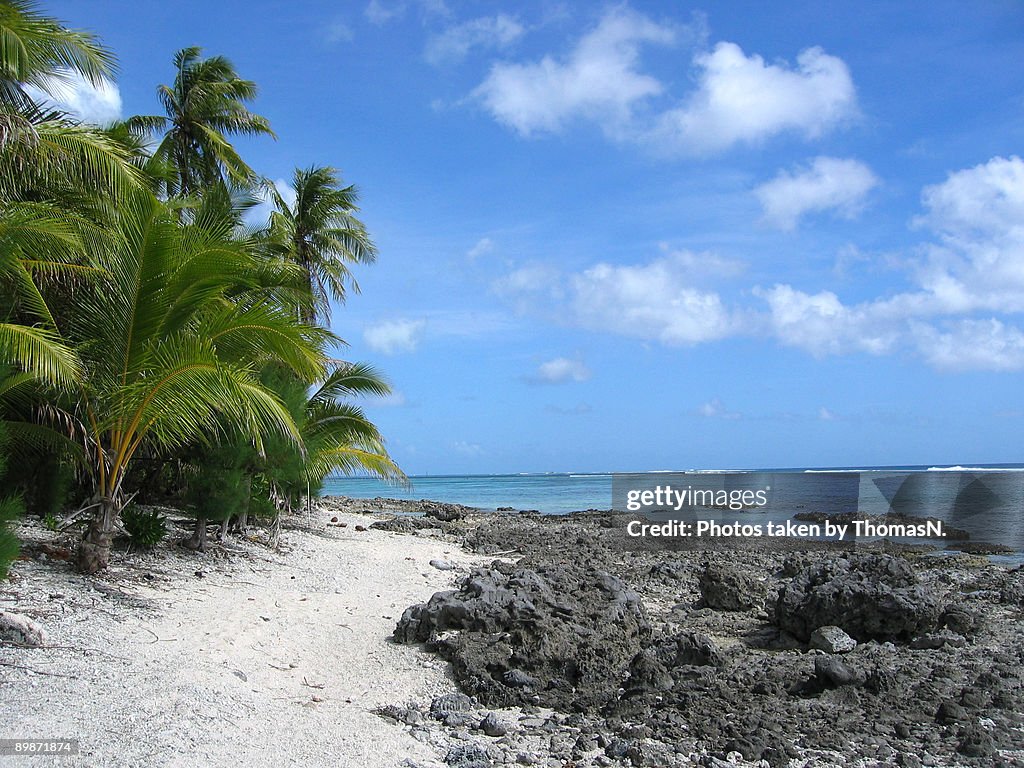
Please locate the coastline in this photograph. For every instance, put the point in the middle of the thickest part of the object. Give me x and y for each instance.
(271, 657)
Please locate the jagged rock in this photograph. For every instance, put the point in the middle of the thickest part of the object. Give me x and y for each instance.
(832, 672)
(21, 630)
(936, 640)
(657, 667)
(444, 512)
(569, 629)
(728, 588)
(832, 639)
(867, 596)
(975, 741)
(491, 726)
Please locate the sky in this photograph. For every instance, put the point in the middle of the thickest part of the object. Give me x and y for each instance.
(650, 235)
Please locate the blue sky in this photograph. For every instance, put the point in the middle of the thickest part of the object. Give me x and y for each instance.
(651, 235)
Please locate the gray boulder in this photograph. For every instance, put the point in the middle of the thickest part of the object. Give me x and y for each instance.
(729, 588)
(832, 639)
(560, 636)
(867, 596)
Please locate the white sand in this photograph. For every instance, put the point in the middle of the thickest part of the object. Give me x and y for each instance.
(267, 660)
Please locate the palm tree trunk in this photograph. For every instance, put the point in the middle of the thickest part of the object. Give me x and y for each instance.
(94, 548)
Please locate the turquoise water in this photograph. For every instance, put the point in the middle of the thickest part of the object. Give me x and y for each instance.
(555, 494)
(561, 493)
(552, 494)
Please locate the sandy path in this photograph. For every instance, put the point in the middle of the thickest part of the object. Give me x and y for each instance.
(265, 660)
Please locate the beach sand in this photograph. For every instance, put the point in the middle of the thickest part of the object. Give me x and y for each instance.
(230, 658)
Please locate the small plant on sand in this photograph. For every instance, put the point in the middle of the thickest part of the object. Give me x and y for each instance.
(52, 522)
(146, 528)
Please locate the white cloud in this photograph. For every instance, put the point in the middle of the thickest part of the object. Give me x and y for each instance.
(824, 414)
(657, 300)
(71, 93)
(598, 80)
(977, 265)
(986, 345)
(562, 370)
(737, 99)
(455, 43)
(483, 246)
(828, 183)
(952, 314)
(741, 99)
(821, 324)
(715, 409)
(978, 214)
(393, 336)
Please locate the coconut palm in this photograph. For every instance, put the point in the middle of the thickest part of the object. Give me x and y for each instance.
(39, 51)
(171, 341)
(322, 235)
(204, 106)
(336, 433)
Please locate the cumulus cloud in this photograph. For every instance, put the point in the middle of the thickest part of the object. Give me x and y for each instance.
(976, 266)
(742, 99)
(828, 183)
(737, 99)
(599, 79)
(657, 300)
(393, 336)
(962, 283)
(71, 93)
(561, 370)
(972, 345)
(455, 43)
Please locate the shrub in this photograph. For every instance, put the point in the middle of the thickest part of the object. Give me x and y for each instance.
(146, 528)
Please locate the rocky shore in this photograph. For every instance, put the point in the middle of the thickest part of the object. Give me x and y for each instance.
(571, 650)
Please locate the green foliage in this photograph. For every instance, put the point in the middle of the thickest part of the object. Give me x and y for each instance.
(146, 527)
(205, 105)
(10, 509)
(321, 234)
(219, 481)
(140, 318)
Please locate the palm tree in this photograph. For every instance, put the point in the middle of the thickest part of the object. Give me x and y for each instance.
(337, 435)
(39, 51)
(204, 106)
(322, 235)
(171, 342)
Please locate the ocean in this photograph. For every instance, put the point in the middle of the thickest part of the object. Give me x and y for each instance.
(986, 500)
(555, 493)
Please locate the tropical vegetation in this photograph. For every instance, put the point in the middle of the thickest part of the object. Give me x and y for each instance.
(154, 342)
